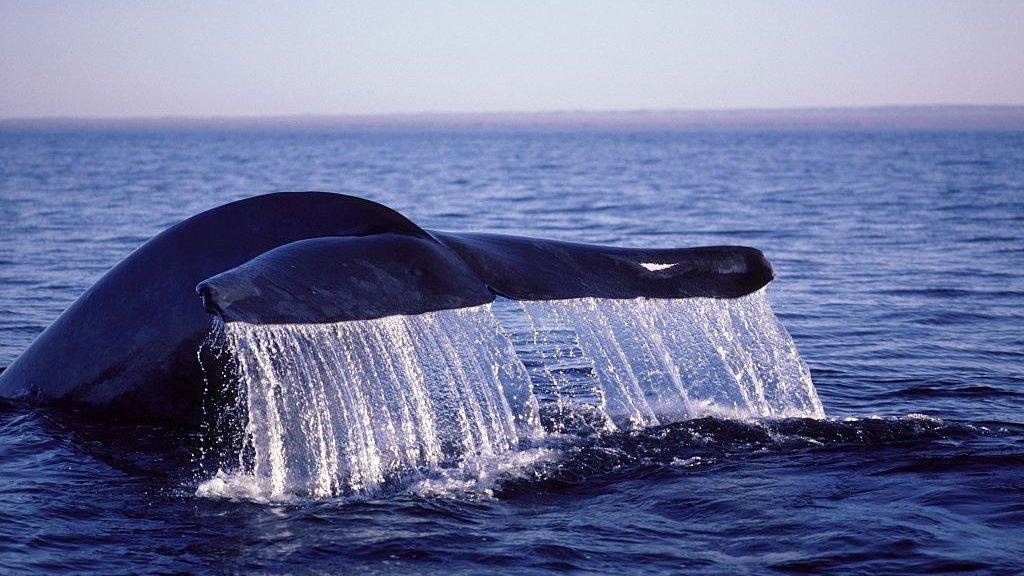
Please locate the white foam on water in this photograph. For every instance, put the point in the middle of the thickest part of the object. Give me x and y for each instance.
(441, 402)
(479, 476)
(238, 486)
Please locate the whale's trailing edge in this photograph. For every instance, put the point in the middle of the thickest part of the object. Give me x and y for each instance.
(127, 347)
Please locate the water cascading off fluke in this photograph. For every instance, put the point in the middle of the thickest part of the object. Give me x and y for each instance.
(654, 361)
(362, 407)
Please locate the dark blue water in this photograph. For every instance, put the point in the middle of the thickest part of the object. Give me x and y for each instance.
(900, 260)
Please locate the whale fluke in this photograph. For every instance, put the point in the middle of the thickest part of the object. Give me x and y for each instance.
(337, 279)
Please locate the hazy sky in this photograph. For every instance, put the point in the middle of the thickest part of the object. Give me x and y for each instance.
(318, 57)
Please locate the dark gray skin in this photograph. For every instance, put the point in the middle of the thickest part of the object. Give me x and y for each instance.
(127, 348)
(536, 269)
(349, 278)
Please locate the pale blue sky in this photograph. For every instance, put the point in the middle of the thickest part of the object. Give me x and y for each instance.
(318, 57)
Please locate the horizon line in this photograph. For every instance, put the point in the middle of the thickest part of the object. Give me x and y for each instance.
(519, 112)
(990, 116)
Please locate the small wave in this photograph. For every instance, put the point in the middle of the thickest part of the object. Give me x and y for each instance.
(952, 391)
(955, 462)
(950, 293)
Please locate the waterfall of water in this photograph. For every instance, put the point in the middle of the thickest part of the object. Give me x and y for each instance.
(355, 407)
(349, 407)
(656, 361)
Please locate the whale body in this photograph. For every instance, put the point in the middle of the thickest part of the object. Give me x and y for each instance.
(127, 349)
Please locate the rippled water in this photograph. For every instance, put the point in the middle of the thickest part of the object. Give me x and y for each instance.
(899, 258)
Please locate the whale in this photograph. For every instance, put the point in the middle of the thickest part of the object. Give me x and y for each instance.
(128, 348)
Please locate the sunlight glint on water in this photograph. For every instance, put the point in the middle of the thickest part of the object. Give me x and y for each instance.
(363, 407)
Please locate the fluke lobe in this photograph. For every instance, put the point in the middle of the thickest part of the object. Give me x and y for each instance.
(127, 348)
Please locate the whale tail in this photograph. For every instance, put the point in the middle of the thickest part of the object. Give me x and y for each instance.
(358, 278)
(524, 268)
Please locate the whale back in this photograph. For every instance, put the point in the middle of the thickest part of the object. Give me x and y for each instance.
(128, 345)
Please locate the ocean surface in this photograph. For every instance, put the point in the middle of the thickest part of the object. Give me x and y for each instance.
(900, 276)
